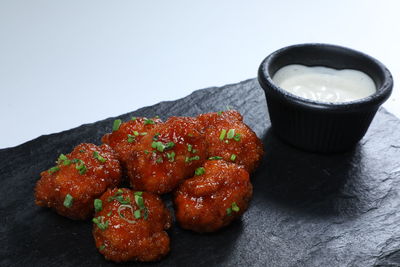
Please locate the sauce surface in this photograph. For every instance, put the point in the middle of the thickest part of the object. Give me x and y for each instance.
(324, 84)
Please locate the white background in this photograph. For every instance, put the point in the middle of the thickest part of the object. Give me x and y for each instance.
(65, 63)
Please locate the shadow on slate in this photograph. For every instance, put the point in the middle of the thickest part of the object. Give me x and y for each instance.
(308, 209)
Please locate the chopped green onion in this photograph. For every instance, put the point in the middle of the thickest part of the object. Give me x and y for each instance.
(98, 205)
(135, 133)
(227, 141)
(189, 147)
(235, 207)
(222, 134)
(62, 157)
(144, 133)
(146, 152)
(97, 156)
(133, 118)
(53, 169)
(229, 211)
(99, 221)
(68, 201)
(122, 207)
(219, 113)
(155, 137)
(159, 160)
(194, 151)
(231, 134)
(109, 214)
(116, 125)
(233, 157)
(102, 247)
(189, 159)
(169, 145)
(137, 214)
(118, 197)
(131, 138)
(237, 137)
(171, 156)
(214, 158)
(139, 201)
(81, 168)
(138, 193)
(148, 121)
(146, 213)
(200, 171)
(82, 151)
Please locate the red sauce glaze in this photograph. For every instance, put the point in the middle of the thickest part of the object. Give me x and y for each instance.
(120, 141)
(201, 202)
(160, 172)
(52, 188)
(128, 238)
(248, 149)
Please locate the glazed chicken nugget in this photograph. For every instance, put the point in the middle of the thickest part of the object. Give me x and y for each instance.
(218, 194)
(230, 138)
(166, 157)
(78, 178)
(126, 135)
(130, 225)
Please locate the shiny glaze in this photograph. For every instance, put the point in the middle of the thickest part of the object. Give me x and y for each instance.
(143, 240)
(151, 170)
(248, 150)
(51, 189)
(201, 202)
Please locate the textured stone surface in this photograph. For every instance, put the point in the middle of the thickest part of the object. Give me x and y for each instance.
(307, 210)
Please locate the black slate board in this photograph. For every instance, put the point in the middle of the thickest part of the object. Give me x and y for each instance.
(308, 209)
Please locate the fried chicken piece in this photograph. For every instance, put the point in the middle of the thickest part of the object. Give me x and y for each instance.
(79, 177)
(166, 157)
(218, 194)
(125, 136)
(130, 225)
(229, 137)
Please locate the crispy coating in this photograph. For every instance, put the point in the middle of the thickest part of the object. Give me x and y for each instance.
(210, 201)
(159, 170)
(120, 236)
(244, 148)
(129, 133)
(81, 176)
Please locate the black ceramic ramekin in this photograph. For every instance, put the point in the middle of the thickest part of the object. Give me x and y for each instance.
(316, 126)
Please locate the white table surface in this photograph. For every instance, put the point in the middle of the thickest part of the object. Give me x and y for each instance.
(66, 63)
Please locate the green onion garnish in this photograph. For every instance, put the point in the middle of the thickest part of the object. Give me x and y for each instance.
(233, 157)
(99, 221)
(131, 138)
(135, 133)
(116, 125)
(148, 121)
(189, 159)
(98, 205)
(214, 158)
(53, 170)
(200, 171)
(159, 160)
(155, 137)
(235, 207)
(109, 214)
(68, 201)
(97, 156)
(231, 134)
(237, 137)
(102, 247)
(136, 213)
(219, 113)
(229, 211)
(62, 157)
(133, 118)
(81, 167)
(189, 147)
(222, 134)
(144, 133)
(139, 201)
(171, 156)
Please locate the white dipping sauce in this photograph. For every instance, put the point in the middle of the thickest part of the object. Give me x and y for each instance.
(324, 84)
